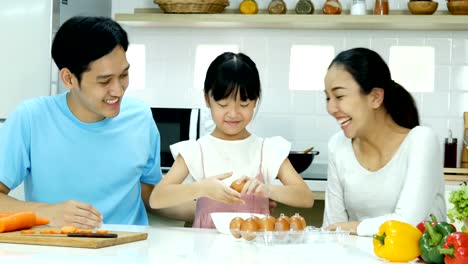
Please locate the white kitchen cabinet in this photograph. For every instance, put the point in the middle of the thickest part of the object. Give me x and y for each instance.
(25, 65)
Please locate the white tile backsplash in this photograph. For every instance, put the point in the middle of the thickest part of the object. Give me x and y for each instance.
(299, 116)
(459, 78)
(460, 49)
(443, 49)
(435, 104)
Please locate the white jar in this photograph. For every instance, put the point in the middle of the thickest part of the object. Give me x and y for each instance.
(358, 7)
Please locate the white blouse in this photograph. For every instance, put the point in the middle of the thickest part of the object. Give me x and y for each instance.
(408, 188)
(242, 157)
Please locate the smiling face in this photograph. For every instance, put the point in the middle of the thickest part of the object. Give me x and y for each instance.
(352, 109)
(231, 116)
(101, 89)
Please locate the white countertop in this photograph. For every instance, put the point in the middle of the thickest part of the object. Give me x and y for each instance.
(190, 245)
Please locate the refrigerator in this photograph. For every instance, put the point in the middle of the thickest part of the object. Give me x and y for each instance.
(27, 28)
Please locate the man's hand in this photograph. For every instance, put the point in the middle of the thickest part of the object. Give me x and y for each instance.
(72, 213)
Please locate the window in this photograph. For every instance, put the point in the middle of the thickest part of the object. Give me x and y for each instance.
(308, 66)
(136, 56)
(204, 55)
(413, 67)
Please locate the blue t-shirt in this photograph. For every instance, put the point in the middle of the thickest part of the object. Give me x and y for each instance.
(61, 158)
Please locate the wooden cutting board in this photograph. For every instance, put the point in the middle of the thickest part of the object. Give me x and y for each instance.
(64, 241)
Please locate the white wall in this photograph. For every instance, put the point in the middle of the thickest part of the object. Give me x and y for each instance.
(299, 116)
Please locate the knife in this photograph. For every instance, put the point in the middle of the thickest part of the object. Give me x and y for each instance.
(93, 235)
(108, 235)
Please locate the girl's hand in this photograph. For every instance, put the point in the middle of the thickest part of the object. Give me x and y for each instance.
(214, 188)
(254, 186)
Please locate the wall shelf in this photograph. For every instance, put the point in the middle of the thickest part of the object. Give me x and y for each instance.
(398, 20)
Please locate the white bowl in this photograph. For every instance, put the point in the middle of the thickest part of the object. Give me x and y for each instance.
(222, 220)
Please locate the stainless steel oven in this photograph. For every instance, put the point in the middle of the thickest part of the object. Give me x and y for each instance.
(175, 125)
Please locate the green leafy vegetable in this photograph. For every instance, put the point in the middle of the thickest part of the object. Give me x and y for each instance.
(459, 198)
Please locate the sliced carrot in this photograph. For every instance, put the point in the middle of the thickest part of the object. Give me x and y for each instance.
(17, 221)
(49, 232)
(46, 231)
(84, 231)
(28, 231)
(68, 229)
(101, 231)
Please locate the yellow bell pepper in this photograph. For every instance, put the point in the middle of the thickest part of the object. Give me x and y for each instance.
(397, 241)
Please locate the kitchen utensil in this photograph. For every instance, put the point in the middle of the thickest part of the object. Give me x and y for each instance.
(108, 235)
(464, 154)
(450, 151)
(458, 7)
(307, 150)
(300, 160)
(70, 241)
(422, 7)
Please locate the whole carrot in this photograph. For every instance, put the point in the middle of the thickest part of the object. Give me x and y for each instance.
(39, 220)
(17, 221)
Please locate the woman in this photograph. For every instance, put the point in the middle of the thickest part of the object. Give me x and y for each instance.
(382, 165)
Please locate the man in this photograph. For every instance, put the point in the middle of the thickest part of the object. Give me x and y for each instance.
(88, 156)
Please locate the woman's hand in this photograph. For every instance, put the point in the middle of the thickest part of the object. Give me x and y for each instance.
(254, 186)
(214, 188)
(345, 226)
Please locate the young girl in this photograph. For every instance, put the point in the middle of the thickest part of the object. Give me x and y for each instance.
(231, 153)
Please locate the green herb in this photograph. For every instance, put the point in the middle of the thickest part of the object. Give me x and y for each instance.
(459, 198)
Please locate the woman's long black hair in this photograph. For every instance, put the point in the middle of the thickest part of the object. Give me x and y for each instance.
(370, 71)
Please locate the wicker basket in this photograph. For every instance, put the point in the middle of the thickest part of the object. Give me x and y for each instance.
(192, 6)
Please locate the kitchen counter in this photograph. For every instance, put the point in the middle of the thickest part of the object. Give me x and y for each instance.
(187, 245)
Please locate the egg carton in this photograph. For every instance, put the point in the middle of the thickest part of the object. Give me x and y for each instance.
(309, 235)
(321, 235)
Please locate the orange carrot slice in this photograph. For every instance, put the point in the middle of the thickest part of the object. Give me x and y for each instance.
(49, 232)
(68, 229)
(101, 231)
(28, 231)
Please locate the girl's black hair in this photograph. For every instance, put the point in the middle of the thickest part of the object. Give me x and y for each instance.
(231, 74)
(370, 71)
(82, 40)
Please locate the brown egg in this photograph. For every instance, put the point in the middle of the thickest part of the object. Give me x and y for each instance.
(235, 225)
(267, 223)
(248, 228)
(297, 222)
(282, 223)
(238, 186)
(285, 217)
(256, 218)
